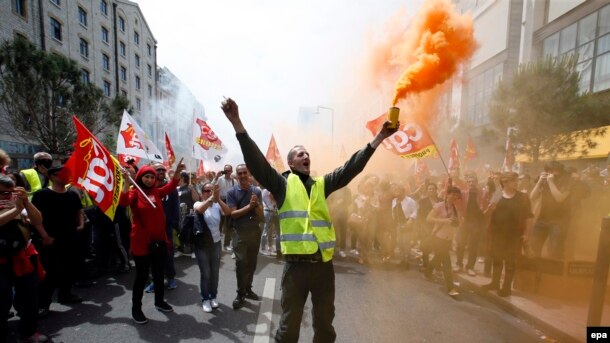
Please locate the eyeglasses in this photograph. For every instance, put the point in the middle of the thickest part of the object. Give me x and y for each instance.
(6, 193)
(206, 190)
(161, 170)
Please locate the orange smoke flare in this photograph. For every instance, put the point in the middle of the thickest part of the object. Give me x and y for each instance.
(444, 40)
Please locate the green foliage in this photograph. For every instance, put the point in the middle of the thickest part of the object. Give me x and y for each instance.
(40, 91)
(543, 102)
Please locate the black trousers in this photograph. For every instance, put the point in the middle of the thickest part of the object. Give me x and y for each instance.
(60, 261)
(25, 301)
(298, 280)
(245, 246)
(144, 264)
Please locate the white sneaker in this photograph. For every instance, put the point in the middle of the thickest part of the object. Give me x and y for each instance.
(342, 254)
(214, 303)
(207, 307)
(233, 255)
(471, 272)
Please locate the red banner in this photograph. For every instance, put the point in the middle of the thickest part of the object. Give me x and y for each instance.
(273, 156)
(200, 169)
(410, 141)
(454, 156)
(92, 168)
(169, 152)
(471, 151)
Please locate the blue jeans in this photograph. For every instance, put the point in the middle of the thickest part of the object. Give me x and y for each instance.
(556, 234)
(208, 259)
(270, 230)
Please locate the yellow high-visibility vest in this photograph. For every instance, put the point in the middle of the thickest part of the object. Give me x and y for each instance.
(305, 223)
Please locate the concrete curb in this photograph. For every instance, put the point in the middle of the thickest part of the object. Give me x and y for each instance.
(509, 307)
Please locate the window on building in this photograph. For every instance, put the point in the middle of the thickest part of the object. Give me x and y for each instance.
(479, 93)
(150, 90)
(136, 37)
(138, 83)
(122, 49)
(85, 76)
(84, 48)
(137, 60)
(138, 104)
(106, 88)
(56, 2)
(105, 35)
(123, 73)
(20, 8)
(123, 93)
(149, 48)
(121, 24)
(149, 68)
(104, 7)
(55, 29)
(105, 62)
(82, 16)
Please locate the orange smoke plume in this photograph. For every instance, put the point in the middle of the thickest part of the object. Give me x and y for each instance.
(444, 40)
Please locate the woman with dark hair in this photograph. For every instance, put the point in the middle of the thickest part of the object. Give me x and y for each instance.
(444, 216)
(149, 243)
(207, 242)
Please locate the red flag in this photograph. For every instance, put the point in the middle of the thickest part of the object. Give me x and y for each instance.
(410, 141)
(421, 171)
(509, 157)
(92, 168)
(273, 155)
(471, 151)
(123, 158)
(169, 152)
(454, 156)
(200, 169)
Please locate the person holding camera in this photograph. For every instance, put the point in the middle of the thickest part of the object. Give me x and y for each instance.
(444, 216)
(149, 242)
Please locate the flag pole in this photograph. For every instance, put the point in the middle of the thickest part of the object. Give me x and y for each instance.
(437, 149)
(141, 191)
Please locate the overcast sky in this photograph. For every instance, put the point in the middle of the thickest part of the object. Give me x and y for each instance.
(271, 56)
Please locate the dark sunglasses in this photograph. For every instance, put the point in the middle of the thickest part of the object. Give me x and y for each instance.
(207, 190)
(161, 170)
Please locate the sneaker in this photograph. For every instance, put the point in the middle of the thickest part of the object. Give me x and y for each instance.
(342, 254)
(504, 293)
(138, 316)
(239, 302)
(35, 338)
(150, 288)
(207, 306)
(172, 284)
(453, 292)
(228, 248)
(252, 296)
(457, 269)
(214, 303)
(164, 307)
(481, 260)
(490, 287)
(233, 255)
(70, 299)
(471, 272)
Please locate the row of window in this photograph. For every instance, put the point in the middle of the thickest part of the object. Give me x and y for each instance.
(107, 88)
(589, 39)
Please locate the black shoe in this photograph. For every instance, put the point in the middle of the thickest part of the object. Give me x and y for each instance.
(239, 302)
(70, 299)
(252, 296)
(504, 293)
(43, 312)
(490, 287)
(164, 307)
(138, 316)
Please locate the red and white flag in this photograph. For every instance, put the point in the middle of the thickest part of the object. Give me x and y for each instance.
(421, 171)
(200, 169)
(454, 156)
(207, 146)
(134, 142)
(273, 156)
(92, 168)
(471, 151)
(169, 152)
(410, 141)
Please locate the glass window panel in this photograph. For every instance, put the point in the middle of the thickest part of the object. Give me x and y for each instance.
(585, 69)
(550, 45)
(603, 44)
(604, 20)
(567, 41)
(602, 73)
(585, 52)
(586, 28)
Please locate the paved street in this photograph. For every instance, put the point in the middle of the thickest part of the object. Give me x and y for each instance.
(380, 304)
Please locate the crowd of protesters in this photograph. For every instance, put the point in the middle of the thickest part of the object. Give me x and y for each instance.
(493, 218)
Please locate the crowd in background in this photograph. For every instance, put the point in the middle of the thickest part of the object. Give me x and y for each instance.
(442, 224)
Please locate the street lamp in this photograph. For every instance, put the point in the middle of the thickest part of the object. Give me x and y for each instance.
(332, 123)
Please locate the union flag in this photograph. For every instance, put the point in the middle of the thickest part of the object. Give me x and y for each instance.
(273, 156)
(169, 151)
(411, 140)
(471, 151)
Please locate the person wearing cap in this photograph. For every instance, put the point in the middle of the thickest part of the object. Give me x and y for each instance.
(307, 236)
(510, 225)
(149, 242)
(551, 210)
(63, 218)
(37, 177)
(444, 216)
